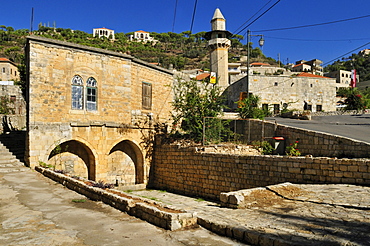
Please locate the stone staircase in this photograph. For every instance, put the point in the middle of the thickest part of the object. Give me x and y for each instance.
(12, 148)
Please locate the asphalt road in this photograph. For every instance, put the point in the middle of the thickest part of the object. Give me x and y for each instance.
(351, 126)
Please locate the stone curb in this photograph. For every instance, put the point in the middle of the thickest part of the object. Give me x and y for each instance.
(145, 209)
(246, 235)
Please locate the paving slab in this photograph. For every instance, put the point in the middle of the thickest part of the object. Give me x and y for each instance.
(35, 210)
(332, 214)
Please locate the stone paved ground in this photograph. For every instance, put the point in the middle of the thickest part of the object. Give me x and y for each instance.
(312, 215)
(37, 211)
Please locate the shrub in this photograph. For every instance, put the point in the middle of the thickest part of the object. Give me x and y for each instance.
(248, 108)
(264, 146)
(292, 150)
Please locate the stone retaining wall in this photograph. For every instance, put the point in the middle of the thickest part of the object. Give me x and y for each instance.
(150, 211)
(310, 142)
(192, 172)
(12, 123)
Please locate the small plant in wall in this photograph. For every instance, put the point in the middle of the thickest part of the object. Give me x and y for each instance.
(263, 146)
(292, 149)
(45, 165)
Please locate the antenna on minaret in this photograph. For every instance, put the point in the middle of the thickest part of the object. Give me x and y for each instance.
(31, 21)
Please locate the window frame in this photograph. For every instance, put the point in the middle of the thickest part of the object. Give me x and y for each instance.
(77, 93)
(147, 92)
(91, 85)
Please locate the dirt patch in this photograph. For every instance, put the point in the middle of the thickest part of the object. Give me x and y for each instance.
(273, 196)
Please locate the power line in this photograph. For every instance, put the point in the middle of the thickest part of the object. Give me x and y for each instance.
(311, 25)
(192, 19)
(252, 16)
(252, 23)
(318, 40)
(174, 17)
(345, 54)
(259, 16)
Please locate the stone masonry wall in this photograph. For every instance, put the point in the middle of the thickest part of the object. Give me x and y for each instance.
(189, 171)
(292, 90)
(310, 142)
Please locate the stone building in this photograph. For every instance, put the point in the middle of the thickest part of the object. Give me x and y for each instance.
(15, 119)
(305, 91)
(91, 111)
(8, 70)
(342, 77)
(312, 66)
(302, 92)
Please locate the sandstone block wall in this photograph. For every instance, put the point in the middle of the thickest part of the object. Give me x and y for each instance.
(292, 90)
(310, 142)
(191, 172)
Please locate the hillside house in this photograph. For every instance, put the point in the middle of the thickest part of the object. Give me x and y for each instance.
(103, 32)
(313, 66)
(8, 70)
(141, 36)
(342, 78)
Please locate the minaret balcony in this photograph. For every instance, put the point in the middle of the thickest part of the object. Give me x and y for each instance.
(219, 43)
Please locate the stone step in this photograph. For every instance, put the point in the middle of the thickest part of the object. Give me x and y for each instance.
(12, 148)
(13, 169)
(10, 159)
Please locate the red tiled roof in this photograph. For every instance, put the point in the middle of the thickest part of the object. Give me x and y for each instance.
(303, 74)
(104, 28)
(202, 76)
(4, 59)
(142, 31)
(259, 64)
(300, 64)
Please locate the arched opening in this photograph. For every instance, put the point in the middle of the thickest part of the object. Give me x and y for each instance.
(125, 164)
(74, 158)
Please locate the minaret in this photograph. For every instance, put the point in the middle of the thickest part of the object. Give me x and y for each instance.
(218, 45)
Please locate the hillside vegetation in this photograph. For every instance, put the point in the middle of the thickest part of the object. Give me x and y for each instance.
(360, 62)
(180, 50)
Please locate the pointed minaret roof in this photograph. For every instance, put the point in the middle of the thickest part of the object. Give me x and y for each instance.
(218, 25)
(218, 14)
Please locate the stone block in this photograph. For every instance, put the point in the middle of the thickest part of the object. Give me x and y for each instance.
(238, 233)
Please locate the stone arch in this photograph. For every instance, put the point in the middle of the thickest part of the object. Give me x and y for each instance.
(74, 157)
(125, 164)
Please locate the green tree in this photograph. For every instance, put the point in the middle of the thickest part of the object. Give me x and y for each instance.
(6, 106)
(192, 103)
(354, 98)
(354, 101)
(248, 108)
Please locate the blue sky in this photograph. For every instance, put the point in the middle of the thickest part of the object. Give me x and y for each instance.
(326, 42)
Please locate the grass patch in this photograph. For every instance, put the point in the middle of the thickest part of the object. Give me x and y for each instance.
(79, 200)
(199, 200)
